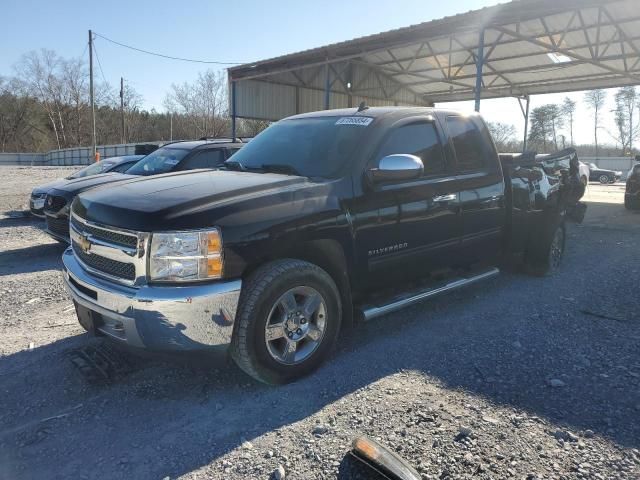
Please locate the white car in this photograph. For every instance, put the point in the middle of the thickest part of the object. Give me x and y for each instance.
(584, 173)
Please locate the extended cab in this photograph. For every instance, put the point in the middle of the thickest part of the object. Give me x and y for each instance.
(323, 220)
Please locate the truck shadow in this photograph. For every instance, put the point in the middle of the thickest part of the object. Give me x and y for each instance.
(502, 341)
(35, 258)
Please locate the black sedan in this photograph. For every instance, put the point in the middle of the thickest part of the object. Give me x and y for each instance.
(632, 191)
(113, 164)
(603, 175)
(172, 157)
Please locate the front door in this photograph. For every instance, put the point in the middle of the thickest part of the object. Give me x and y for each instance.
(405, 230)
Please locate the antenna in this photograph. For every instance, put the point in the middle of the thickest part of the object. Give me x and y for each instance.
(363, 106)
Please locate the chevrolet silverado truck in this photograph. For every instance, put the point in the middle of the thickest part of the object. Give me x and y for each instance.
(322, 221)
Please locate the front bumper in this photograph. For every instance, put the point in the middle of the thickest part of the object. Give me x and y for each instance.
(159, 318)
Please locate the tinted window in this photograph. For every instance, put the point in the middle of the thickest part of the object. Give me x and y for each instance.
(419, 139)
(314, 147)
(231, 151)
(123, 167)
(468, 143)
(93, 169)
(204, 159)
(162, 160)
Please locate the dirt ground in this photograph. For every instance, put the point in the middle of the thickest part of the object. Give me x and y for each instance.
(519, 377)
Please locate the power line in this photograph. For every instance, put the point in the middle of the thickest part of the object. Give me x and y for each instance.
(165, 56)
(95, 50)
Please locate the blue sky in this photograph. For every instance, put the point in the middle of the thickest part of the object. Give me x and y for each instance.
(238, 31)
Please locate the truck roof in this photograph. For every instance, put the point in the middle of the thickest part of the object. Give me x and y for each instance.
(376, 112)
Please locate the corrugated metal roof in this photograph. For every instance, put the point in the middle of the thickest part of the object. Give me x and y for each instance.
(530, 46)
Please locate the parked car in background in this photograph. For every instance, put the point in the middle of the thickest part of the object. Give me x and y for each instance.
(323, 220)
(632, 190)
(603, 175)
(172, 157)
(585, 173)
(112, 164)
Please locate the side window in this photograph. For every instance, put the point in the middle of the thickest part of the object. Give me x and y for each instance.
(123, 167)
(468, 143)
(419, 139)
(204, 159)
(231, 151)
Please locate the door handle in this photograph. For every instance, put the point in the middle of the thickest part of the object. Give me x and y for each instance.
(445, 198)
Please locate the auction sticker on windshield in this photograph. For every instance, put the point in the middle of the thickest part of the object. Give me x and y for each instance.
(360, 121)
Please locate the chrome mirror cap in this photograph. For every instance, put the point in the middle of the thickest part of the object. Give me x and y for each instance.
(397, 167)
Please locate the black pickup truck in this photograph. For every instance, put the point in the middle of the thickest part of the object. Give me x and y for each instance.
(323, 220)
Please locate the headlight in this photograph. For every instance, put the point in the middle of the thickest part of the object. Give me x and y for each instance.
(185, 256)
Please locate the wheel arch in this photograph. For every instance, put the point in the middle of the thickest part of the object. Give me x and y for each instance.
(327, 254)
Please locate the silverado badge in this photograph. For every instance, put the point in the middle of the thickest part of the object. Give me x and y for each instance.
(85, 244)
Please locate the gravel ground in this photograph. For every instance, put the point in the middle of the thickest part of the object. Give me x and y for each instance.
(508, 379)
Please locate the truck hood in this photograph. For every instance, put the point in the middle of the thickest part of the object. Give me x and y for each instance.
(193, 199)
(74, 186)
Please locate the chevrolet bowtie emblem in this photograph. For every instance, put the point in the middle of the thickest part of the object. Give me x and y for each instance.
(85, 244)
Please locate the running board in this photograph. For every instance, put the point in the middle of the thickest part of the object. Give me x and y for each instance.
(372, 311)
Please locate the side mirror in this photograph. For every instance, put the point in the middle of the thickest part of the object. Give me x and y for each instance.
(396, 168)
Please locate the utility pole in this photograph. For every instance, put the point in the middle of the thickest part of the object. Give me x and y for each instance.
(123, 136)
(93, 107)
(171, 126)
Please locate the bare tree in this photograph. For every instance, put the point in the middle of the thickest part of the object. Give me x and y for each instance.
(568, 110)
(504, 136)
(626, 99)
(546, 121)
(595, 101)
(203, 103)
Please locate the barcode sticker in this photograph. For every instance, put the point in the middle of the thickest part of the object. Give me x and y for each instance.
(360, 121)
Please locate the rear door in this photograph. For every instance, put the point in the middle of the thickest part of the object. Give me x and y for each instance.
(409, 228)
(479, 177)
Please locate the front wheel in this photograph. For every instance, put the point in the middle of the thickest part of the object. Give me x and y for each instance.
(287, 322)
(584, 181)
(604, 179)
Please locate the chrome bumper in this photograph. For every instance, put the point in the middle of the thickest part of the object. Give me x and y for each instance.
(159, 318)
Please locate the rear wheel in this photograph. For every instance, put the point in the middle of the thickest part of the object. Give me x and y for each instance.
(604, 179)
(544, 257)
(288, 321)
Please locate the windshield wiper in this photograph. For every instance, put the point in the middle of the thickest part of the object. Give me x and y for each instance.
(281, 168)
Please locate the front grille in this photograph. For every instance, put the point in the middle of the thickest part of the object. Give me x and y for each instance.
(59, 226)
(54, 203)
(114, 268)
(106, 235)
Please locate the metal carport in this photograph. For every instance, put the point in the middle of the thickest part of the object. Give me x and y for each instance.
(515, 49)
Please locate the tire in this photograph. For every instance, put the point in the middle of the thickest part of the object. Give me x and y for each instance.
(604, 179)
(584, 180)
(274, 296)
(545, 256)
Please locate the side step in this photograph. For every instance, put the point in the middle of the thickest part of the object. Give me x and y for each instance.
(396, 303)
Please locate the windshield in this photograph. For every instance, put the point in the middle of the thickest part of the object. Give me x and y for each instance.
(160, 161)
(93, 169)
(310, 147)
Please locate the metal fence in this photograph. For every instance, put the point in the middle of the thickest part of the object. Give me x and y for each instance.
(622, 164)
(70, 156)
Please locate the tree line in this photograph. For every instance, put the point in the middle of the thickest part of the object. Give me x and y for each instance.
(45, 105)
(551, 125)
